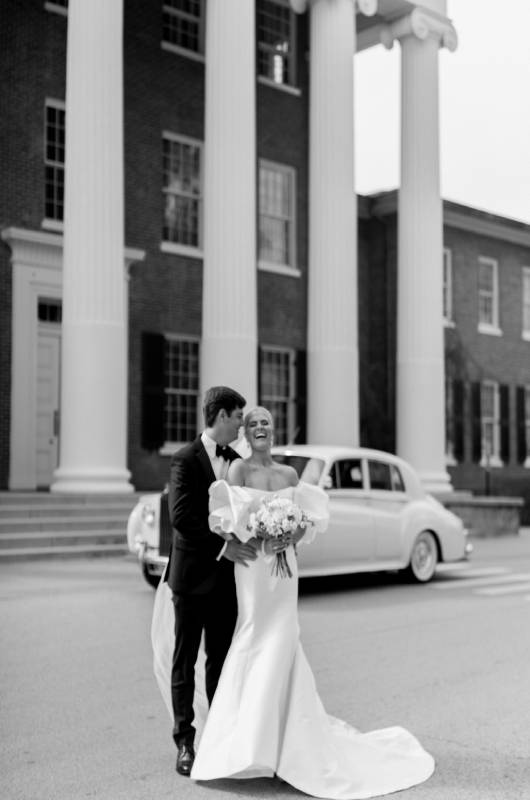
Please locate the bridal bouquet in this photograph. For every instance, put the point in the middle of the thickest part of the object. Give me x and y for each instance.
(275, 517)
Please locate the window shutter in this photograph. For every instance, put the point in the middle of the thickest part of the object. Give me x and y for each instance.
(476, 422)
(301, 397)
(458, 408)
(521, 424)
(504, 391)
(153, 396)
(260, 359)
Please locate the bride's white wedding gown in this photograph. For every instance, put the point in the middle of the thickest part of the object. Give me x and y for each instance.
(267, 717)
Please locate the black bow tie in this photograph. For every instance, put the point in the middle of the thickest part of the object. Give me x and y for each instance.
(221, 451)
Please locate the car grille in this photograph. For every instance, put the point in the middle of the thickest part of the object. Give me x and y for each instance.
(165, 525)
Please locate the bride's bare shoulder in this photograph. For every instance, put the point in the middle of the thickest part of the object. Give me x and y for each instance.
(236, 472)
(289, 473)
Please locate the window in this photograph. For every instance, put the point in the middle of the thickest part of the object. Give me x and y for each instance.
(523, 425)
(182, 188)
(488, 300)
(490, 422)
(49, 310)
(181, 373)
(276, 47)
(277, 390)
(447, 285)
(385, 477)
(526, 302)
(183, 26)
(276, 216)
(308, 469)
(347, 474)
(54, 160)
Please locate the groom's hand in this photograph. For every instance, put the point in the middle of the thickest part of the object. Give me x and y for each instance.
(240, 552)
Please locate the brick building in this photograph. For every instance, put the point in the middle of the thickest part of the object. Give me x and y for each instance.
(309, 325)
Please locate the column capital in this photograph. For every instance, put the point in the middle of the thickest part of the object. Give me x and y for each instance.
(366, 7)
(422, 24)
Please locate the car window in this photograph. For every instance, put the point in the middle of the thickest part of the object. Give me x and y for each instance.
(308, 469)
(397, 480)
(347, 474)
(380, 477)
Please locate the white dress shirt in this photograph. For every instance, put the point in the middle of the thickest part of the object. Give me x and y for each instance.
(220, 468)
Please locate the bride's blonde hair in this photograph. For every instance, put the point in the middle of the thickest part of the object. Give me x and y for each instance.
(248, 415)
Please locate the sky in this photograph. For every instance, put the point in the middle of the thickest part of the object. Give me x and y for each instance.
(484, 110)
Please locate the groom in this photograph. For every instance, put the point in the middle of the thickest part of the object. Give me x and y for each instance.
(201, 566)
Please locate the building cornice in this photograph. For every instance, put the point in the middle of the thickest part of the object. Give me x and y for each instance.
(28, 247)
(464, 218)
(420, 22)
(366, 7)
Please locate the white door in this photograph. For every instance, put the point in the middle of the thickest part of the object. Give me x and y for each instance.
(47, 397)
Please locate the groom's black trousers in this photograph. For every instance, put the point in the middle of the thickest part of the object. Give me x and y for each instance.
(214, 612)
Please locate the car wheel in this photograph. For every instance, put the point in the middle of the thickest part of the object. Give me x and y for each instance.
(152, 580)
(423, 558)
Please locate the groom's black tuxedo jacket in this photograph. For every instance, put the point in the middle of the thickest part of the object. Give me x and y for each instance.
(193, 568)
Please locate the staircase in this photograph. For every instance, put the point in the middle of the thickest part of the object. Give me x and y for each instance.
(40, 525)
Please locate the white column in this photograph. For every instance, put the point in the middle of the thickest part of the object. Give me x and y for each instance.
(229, 306)
(93, 442)
(332, 340)
(420, 334)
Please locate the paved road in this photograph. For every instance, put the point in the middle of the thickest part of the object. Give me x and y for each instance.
(81, 716)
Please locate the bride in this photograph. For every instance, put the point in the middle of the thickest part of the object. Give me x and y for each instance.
(266, 717)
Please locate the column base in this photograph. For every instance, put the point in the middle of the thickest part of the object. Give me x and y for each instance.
(91, 481)
(435, 482)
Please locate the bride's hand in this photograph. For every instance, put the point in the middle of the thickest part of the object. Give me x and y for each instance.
(273, 546)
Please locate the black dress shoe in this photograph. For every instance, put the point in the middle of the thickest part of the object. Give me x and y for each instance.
(185, 759)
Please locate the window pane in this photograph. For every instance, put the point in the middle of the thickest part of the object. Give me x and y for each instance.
(274, 23)
(277, 390)
(349, 473)
(182, 187)
(54, 133)
(379, 475)
(182, 22)
(182, 389)
(276, 204)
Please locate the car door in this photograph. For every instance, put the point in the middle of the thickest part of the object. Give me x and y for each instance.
(388, 500)
(350, 537)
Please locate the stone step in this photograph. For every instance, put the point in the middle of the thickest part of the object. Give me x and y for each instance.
(62, 551)
(27, 499)
(52, 539)
(77, 510)
(61, 523)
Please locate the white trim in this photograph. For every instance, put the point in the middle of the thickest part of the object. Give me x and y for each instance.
(279, 269)
(52, 225)
(449, 323)
(168, 448)
(36, 259)
(498, 228)
(53, 102)
(176, 249)
(181, 51)
(525, 336)
(55, 9)
(490, 330)
(284, 87)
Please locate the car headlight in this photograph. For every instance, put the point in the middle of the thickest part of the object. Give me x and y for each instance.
(148, 515)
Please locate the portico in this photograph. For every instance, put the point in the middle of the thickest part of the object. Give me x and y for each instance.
(87, 262)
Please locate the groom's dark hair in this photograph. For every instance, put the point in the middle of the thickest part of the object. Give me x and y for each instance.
(218, 397)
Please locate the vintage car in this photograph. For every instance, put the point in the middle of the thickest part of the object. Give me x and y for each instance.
(381, 519)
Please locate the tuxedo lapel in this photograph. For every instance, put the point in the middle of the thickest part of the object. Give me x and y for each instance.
(204, 460)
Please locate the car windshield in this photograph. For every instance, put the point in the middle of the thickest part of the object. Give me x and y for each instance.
(308, 469)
